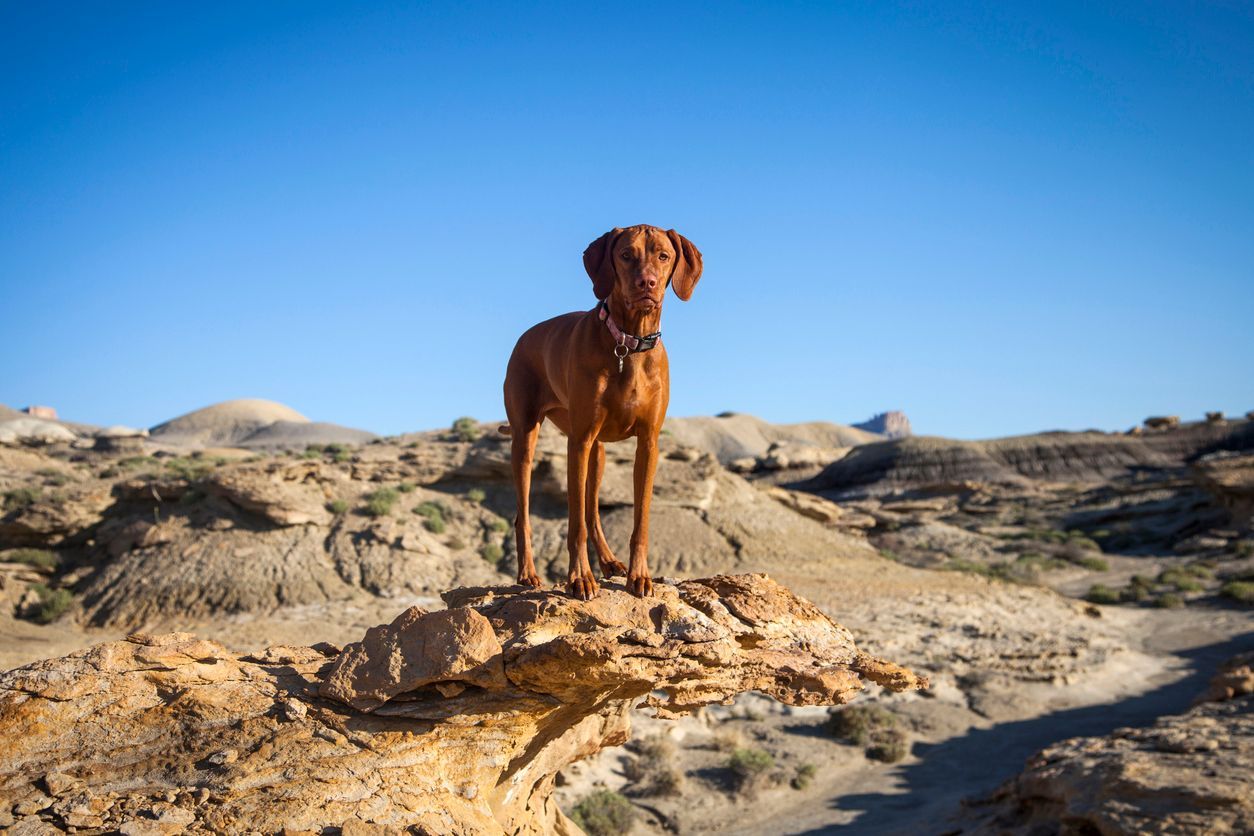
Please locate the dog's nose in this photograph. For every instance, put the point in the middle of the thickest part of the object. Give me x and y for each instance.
(647, 281)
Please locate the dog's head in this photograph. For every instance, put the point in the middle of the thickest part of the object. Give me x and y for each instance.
(636, 263)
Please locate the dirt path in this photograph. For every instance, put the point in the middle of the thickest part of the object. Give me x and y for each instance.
(920, 796)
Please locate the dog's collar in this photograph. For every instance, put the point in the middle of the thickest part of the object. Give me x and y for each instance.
(631, 342)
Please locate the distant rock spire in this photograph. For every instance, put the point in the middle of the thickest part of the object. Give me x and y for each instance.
(892, 424)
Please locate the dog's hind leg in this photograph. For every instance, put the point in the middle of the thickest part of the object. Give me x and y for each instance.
(596, 469)
(522, 453)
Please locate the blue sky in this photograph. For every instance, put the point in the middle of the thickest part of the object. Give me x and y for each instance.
(1000, 218)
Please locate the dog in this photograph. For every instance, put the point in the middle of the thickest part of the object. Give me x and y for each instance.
(600, 375)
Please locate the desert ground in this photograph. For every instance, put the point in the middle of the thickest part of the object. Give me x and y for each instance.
(1078, 602)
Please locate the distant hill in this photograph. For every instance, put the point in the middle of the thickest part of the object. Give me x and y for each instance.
(891, 424)
(734, 436)
(252, 423)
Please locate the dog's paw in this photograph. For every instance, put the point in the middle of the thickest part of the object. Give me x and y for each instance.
(530, 579)
(612, 568)
(583, 586)
(640, 585)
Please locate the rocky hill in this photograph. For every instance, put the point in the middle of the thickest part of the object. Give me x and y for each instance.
(920, 462)
(448, 722)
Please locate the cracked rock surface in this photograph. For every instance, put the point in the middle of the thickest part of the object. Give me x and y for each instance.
(451, 722)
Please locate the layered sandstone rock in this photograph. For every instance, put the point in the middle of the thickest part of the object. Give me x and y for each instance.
(449, 722)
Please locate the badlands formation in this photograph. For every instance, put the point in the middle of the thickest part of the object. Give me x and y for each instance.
(215, 587)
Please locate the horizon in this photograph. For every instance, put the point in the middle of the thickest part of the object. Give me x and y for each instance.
(999, 221)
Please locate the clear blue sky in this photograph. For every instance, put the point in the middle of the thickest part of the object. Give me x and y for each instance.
(997, 218)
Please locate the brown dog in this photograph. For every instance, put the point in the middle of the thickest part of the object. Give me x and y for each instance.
(600, 375)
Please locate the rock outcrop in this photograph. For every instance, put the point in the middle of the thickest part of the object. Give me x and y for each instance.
(891, 424)
(448, 722)
(1188, 773)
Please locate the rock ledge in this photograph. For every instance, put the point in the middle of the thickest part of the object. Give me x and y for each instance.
(452, 722)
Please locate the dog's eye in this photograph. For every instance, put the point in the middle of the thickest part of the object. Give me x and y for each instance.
(664, 256)
(625, 255)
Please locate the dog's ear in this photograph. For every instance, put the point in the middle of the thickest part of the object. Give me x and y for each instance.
(687, 271)
(598, 260)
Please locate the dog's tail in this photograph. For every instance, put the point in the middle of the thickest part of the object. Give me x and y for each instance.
(503, 429)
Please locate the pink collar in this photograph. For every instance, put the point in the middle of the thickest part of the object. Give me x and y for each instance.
(629, 341)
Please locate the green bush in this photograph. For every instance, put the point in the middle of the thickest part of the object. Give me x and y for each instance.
(803, 776)
(456, 543)
(133, 462)
(476, 495)
(1242, 591)
(405, 487)
(434, 513)
(20, 498)
(337, 506)
(1094, 564)
(1169, 601)
(604, 813)
(1200, 570)
(749, 768)
(491, 552)
(1099, 593)
(52, 603)
(189, 469)
(500, 525)
(39, 558)
(465, 429)
(381, 502)
(315, 449)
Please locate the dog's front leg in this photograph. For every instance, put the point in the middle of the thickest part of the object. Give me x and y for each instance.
(638, 580)
(581, 582)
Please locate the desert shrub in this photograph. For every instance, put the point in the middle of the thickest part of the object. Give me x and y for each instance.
(604, 813)
(749, 768)
(491, 552)
(1189, 585)
(500, 525)
(1169, 601)
(1181, 579)
(889, 746)
(341, 456)
(133, 462)
(189, 469)
(476, 495)
(1241, 591)
(434, 513)
(1037, 562)
(803, 776)
(1138, 589)
(1094, 564)
(456, 543)
(39, 558)
(1099, 593)
(465, 429)
(888, 554)
(405, 487)
(652, 770)
(1200, 570)
(52, 603)
(958, 564)
(859, 723)
(381, 502)
(1083, 541)
(52, 476)
(337, 506)
(314, 448)
(20, 498)
(1245, 548)
(728, 740)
